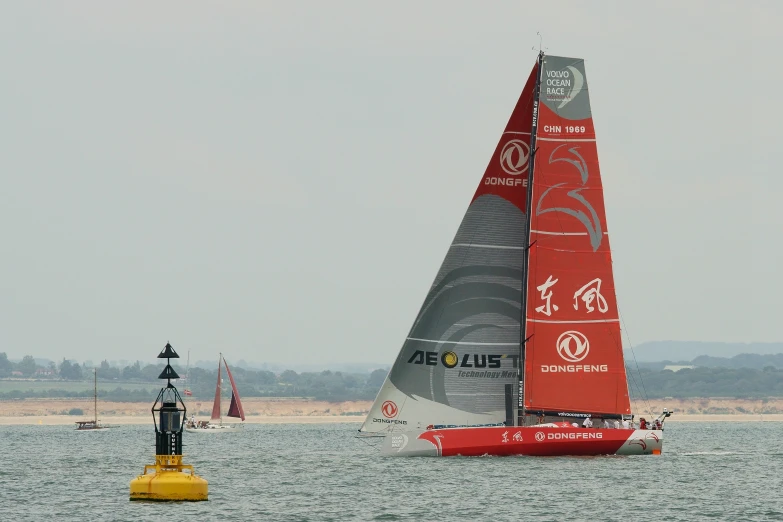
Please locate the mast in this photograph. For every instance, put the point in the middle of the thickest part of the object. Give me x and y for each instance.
(95, 396)
(220, 388)
(188, 392)
(528, 219)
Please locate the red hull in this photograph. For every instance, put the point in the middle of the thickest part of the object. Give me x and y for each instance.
(527, 440)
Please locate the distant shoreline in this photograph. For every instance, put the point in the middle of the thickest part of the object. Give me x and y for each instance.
(113, 420)
(261, 410)
(60, 420)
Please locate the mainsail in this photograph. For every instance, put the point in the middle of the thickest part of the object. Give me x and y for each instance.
(573, 358)
(235, 408)
(459, 363)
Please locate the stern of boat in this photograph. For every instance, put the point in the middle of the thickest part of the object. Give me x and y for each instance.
(643, 442)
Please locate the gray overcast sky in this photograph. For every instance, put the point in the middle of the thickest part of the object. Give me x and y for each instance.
(281, 181)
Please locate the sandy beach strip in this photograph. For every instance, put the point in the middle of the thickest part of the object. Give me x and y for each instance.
(261, 410)
(60, 420)
(115, 420)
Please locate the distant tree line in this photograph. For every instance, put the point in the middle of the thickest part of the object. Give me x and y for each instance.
(326, 385)
(707, 382)
(122, 383)
(744, 360)
(73, 371)
(26, 367)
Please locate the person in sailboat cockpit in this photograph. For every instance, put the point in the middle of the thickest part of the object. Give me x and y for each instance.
(587, 423)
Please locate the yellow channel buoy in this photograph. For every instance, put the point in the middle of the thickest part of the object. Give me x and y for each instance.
(168, 479)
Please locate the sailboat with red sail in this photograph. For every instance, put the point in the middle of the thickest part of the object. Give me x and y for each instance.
(235, 410)
(517, 347)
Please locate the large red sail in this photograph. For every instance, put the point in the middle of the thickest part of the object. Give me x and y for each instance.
(235, 408)
(573, 358)
(508, 170)
(216, 404)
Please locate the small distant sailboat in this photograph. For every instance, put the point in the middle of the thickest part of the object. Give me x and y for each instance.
(186, 390)
(93, 424)
(235, 410)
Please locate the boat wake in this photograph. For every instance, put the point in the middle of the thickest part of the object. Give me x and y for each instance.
(706, 453)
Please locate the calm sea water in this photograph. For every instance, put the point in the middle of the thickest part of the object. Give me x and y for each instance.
(321, 472)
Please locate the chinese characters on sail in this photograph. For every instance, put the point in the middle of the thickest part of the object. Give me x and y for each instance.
(589, 293)
(587, 298)
(546, 295)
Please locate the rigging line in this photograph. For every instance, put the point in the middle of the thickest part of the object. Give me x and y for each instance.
(630, 345)
(627, 374)
(618, 343)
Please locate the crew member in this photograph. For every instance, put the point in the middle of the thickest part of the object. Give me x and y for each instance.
(587, 423)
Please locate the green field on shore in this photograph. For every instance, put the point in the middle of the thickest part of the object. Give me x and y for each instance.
(23, 385)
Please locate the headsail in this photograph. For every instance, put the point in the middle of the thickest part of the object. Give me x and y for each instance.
(458, 364)
(235, 408)
(216, 404)
(573, 360)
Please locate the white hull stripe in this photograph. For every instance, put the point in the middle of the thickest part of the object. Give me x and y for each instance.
(573, 322)
(498, 325)
(460, 342)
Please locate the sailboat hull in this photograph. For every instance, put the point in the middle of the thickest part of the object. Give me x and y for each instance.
(526, 440)
(217, 428)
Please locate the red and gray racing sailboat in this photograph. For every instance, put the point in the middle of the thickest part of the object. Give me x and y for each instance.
(517, 348)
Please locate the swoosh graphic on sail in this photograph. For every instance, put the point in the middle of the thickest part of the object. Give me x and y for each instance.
(446, 308)
(576, 88)
(579, 162)
(591, 223)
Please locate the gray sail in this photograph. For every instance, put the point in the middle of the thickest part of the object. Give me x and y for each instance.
(463, 347)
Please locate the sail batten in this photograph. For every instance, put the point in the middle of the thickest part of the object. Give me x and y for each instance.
(441, 341)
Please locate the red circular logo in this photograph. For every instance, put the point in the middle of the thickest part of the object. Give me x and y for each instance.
(389, 409)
